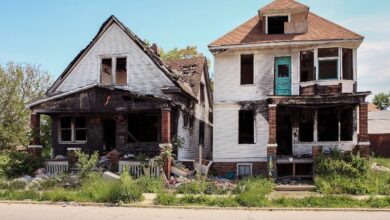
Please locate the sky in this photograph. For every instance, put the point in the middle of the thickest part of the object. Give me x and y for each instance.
(51, 33)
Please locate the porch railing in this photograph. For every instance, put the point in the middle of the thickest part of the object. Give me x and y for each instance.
(55, 167)
(136, 170)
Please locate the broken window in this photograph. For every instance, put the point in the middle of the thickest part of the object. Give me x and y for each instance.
(244, 171)
(347, 64)
(306, 123)
(307, 66)
(106, 72)
(73, 129)
(328, 63)
(346, 123)
(246, 69)
(201, 133)
(201, 93)
(328, 124)
(66, 129)
(246, 127)
(276, 24)
(121, 71)
(80, 129)
(143, 128)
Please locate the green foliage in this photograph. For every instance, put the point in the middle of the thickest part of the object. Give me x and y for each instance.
(127, 190)
(17, 184)
(165, 198)
(15, 164)
(200, 187)
(86, 163)
(20, 84)
(149, 184)
(252, 192)
(182, 53)
(382, 100)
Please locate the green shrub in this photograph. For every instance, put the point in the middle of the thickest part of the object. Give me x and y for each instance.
(3, 184)
(252, 192)
(200, 187)
(149, 184)
(86, 163)
(127, 190)
(15, 164)
(164, 198)
(341, 164)
(17, 184)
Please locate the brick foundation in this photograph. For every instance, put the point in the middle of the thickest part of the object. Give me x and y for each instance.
(222, 168)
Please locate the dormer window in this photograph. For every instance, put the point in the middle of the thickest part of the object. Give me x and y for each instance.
(113, 71)
(275, 24)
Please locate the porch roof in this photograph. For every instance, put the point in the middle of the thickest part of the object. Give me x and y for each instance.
(354, 98)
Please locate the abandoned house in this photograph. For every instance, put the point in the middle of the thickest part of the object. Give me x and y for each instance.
(118, 94)
(285, 90)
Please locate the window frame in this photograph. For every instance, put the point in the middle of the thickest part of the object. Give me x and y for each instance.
(274, 15)
(329, 58)
(114, 67)
(253, 69)
(244, 164)
(73, 129)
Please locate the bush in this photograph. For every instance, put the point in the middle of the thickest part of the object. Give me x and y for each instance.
(86, 163)
(252, 192)
(149, 184)
(17, 184)
(127, 190)
(14, 164)
(164, 198)
(341, 164)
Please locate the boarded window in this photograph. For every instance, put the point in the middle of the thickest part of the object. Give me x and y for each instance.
(346, 123)
(244, 171)
(66, 129)
(307, 66)
(121, 71)
(201, 93)
(306, 126)
(201, 133)
(347, 64)
(276, 24)
(80, 129)
(143, 128)
(328, 124)
(247, 69)
(246, 127)
(106, 72)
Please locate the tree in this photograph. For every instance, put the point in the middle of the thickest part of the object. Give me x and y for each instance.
(382, 100)
(182, 53)
(20, 84)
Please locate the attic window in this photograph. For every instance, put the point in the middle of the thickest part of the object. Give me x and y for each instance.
(110, 75)
(275, 24)
(106, 72)
(121, 71)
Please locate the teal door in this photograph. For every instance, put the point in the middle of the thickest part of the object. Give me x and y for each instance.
(283, 76)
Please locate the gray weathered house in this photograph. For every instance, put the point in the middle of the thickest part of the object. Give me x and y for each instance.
(118, 94)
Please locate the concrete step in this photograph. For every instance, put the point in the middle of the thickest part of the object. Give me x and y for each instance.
(299, 187)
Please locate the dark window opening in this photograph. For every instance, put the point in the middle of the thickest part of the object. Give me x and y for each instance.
(143, 128)
(346, 123)
(283, 71)
(328, 69)
(121, 71)
(244, 171)
(328, 52)
(328, 124)
(66, 129)
(347, 64)
(73, 129)
(246, 127)
(80, 129)
(307, 66)
(109, 131)
(276, 24)
(247, 69)
(284, 170)
(106, 72)
(304, 169)
(201, 133)
(306, 123)
(201, 91)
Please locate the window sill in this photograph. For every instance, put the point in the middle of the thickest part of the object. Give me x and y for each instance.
(72, 142)
(247, 85)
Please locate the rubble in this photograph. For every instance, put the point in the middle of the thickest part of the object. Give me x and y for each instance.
(110, 176)
(379, 168)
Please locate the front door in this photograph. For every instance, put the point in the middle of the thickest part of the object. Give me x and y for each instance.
(283, 76)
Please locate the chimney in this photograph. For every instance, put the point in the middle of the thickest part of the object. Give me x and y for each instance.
(154, 48)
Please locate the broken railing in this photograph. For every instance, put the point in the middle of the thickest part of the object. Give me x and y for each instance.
(55, 167)
(136, 169)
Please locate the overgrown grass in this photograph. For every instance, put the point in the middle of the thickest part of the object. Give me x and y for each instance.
(252, 192)
(340, 173)
(149, 184)
(201, 187)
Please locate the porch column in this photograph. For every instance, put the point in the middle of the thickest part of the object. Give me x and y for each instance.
(166, 138)
(35, 147)
(272, 144)
(363, 141)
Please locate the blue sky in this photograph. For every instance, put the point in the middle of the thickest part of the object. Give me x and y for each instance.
(50, 33)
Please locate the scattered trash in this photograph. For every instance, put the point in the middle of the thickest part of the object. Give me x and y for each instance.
(60, 157)
(110, 176)
(379, 168)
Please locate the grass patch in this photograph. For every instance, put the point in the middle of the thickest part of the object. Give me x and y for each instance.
(201, 187)
(150, 184)
(251, 192)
